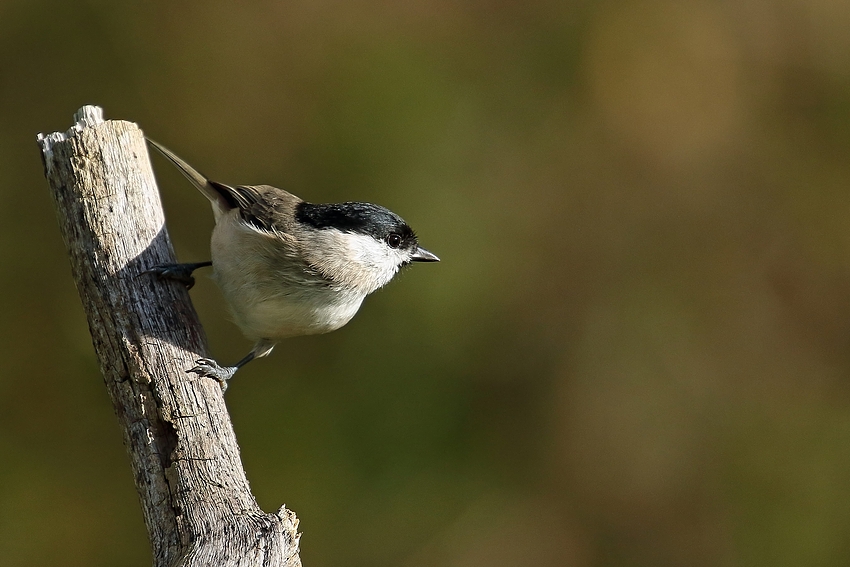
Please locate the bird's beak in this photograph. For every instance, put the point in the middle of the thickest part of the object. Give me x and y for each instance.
(422, 255)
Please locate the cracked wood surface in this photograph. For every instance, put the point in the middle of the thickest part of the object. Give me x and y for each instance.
(195, 497)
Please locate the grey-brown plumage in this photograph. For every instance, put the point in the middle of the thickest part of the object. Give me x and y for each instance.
(287, 267)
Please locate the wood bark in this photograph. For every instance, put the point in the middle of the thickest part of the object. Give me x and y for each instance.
(195, 497)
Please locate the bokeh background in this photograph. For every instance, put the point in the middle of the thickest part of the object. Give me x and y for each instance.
(635, 352)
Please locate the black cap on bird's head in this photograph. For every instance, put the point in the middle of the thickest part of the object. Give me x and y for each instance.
(365, 218)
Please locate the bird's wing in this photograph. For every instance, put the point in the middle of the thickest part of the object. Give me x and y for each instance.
(262, 206)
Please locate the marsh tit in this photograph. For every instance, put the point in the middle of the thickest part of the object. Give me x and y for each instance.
(287, 267)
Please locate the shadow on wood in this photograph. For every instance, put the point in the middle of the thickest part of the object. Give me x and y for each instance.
(195, 497)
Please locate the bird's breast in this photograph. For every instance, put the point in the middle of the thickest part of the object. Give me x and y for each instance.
(271, 291)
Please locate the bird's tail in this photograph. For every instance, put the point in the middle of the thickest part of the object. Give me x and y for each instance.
(217, 198)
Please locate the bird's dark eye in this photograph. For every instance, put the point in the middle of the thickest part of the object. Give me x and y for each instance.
(394, 240)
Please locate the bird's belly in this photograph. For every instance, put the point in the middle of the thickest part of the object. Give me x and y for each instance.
(269, 289)
(282, 317)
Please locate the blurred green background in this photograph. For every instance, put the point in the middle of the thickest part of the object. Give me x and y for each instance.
(635, 352)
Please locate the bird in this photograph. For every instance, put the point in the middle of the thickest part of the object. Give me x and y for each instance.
(287, 267)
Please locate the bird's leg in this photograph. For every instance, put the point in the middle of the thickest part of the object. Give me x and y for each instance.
(178, 272)
(212, 369)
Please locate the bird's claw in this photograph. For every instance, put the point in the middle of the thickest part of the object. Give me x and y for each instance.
(209, 368)
(178, 272)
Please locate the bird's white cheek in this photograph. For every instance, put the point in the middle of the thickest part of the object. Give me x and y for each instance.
(355, 260)
(375, 262)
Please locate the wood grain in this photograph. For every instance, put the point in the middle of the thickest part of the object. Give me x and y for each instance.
(195, 497)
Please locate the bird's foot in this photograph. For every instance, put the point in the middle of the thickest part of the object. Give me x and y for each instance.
(178, 272)
(211, 369)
